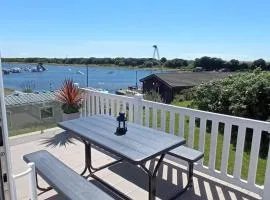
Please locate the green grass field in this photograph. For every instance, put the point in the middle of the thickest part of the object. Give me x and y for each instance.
(183, 104)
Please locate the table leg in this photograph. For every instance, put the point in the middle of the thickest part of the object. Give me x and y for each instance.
(40, 188)
(152, 178)
(101, 167)
(189, 183)
(86, 161)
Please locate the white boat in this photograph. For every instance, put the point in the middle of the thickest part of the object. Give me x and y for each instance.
(6, 71)
(99, 89)
(80, 72)
(16, 70)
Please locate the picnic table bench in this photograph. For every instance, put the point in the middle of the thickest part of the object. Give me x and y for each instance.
(63, 179)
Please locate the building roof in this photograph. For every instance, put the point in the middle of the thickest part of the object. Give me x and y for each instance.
(29, 98)
(186, 79)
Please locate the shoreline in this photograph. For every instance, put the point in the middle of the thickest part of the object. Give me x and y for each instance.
(103, 65)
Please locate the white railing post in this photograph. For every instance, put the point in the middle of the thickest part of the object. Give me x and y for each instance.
(266, 188)
(138, 108)
(32, 182)
(31, 173)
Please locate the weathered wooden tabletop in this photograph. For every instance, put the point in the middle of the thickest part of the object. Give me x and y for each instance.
(138, 145)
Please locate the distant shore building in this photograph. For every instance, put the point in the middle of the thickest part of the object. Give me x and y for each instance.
(25, 110)
(172, 83)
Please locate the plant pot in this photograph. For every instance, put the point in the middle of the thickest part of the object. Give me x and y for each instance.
(70, 116)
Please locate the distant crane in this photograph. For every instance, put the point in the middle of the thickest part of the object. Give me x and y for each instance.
(156, 56)
(156, 53)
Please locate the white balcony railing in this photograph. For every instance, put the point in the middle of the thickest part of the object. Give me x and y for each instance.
(31, 173)
(209, 132)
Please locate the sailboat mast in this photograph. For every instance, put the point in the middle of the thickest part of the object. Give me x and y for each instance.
(136, 79)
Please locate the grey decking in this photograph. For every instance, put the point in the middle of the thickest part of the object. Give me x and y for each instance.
(171, 175)
(138, 145)
(63, 179)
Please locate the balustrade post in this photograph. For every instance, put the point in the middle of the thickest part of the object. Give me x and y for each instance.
(32, 182)
(138, 108)
(266, 189)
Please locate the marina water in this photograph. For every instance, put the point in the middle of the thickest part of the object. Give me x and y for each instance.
(109, 78)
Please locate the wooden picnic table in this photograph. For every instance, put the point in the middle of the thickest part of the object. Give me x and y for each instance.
(139, 145)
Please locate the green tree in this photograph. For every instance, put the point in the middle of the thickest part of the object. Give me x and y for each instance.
(148, 64)
(259, 63)
(233, 65)
(209, 64)
(244, 95)
(163, 60)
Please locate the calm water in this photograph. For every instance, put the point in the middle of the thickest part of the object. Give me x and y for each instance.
(108, 78)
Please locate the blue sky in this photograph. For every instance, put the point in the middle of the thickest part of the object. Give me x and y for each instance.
(111, 28)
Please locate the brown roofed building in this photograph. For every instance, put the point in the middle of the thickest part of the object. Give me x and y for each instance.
(170, 84)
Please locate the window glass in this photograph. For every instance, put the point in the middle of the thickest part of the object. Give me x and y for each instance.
(46, 112)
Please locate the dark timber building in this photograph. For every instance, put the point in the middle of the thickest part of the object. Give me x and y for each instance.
(170, 84)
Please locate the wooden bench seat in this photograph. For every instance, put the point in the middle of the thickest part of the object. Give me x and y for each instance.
(186, 153)
(191, 156)
(63, 179)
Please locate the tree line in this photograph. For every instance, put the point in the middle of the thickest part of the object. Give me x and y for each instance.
(209, 64)
(203, 63)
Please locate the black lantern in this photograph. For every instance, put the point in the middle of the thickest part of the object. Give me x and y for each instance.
(122, 128)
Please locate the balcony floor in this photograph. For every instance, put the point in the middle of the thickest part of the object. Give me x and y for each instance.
(125, 177)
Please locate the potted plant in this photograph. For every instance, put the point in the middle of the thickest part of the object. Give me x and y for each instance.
(71, 98)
